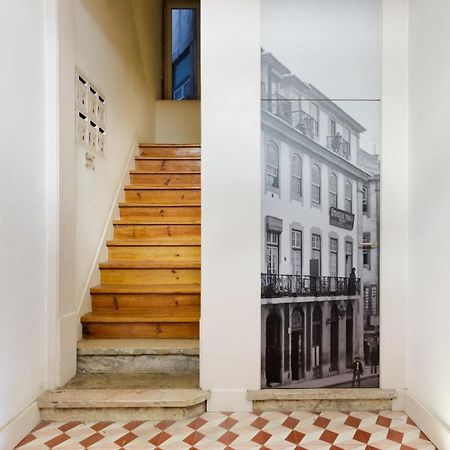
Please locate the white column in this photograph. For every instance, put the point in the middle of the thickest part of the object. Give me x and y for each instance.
(230, 323)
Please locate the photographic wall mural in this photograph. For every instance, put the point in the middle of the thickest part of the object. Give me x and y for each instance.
(320, 89)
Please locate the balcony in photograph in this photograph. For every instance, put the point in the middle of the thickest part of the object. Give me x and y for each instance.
(277, 285)
(339, 145)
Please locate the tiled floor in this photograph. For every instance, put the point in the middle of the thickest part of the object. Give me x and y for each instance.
(219, 431)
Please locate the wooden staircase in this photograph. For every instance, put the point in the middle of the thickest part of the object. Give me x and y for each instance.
(150, 286)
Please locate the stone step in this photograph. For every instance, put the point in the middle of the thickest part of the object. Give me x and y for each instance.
(140, 356)
(318, 400)
(87, 405)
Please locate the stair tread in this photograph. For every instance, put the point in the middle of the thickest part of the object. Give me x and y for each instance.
(159, 145)
(170, 221)
(146, 289)
(138, 347)
(140, 317)
(157, 205)
(150, 264)
(189, 380)
(155, 242)
(143, 187)
(121, 398)
(165, 158)
(162, 172)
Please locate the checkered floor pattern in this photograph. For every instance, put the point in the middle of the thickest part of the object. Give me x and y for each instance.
(219, 431)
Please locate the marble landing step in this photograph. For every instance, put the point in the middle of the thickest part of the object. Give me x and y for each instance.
(87, 405)
(172, 356)
(319, 400)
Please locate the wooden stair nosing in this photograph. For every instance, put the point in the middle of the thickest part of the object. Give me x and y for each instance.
(156, 205)
(146, 289)
(170, 221)
(140, 187)
(161, 172)
(159, 145)
(150, 264)
(167, 158)
(149, 243)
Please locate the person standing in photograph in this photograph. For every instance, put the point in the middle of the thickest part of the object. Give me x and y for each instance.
(358, 370)
(374, 358)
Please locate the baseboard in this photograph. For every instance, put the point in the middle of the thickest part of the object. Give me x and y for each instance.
(13, 432)
(101, 253)
(228, 400)
(435, 430)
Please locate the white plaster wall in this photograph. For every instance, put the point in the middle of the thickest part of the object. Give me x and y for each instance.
(107, 52)
(230, 315)
(177, 122)
(428, 354)
(394, 194)
(23, 222)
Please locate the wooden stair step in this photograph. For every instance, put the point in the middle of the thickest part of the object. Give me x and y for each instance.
(164, 172)
(168, 145)
(109, 317)
(168, 222)
(147, 264)
(170, 151)
(162, 196)
(166, 158)
(158, 233)
(187, 304)
(166, 180)
(146, 289)
(161, 242)
(159, 188)
(158, 212)
(167, 164)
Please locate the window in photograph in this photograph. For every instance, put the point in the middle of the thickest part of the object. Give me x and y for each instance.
(273, 252)
(296, 176)
(296, 243)
(272, 165)
(348, 201)
(365, 199)
(315, 184)
(348, 258)
(333, 188)
(316, 249)
(314, 112)
(333, 257)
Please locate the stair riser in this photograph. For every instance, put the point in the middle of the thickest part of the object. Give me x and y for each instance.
(145, 330)
(150, 276)
(162, 303)
(158, 180)
(163, 197)
(137, 364)
(163, 253)
(121, 414)
(176, 232)
(170, 152)
(168, 165)
(163, 213)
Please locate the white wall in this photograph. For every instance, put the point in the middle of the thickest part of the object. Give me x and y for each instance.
(23, 222)
(428, 354)
(107, 52)
(177, 122)
(230, 315)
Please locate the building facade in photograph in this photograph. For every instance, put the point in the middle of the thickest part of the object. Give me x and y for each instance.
(319, 203)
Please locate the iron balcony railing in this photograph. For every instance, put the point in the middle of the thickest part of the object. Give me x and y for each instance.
(275, 285)
(305, 123)
(339, 145)
(302, 121)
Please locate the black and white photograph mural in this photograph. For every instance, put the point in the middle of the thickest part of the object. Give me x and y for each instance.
(320, 152)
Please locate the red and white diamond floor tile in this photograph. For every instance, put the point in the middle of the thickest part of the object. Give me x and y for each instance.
(296, 430)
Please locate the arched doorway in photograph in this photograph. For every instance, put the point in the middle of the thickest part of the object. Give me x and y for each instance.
(334, 338)
(273, 349)
(349, 335)
(317, 341)
(297, 344)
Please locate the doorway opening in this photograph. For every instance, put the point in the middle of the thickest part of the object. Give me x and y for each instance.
(273, 349)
